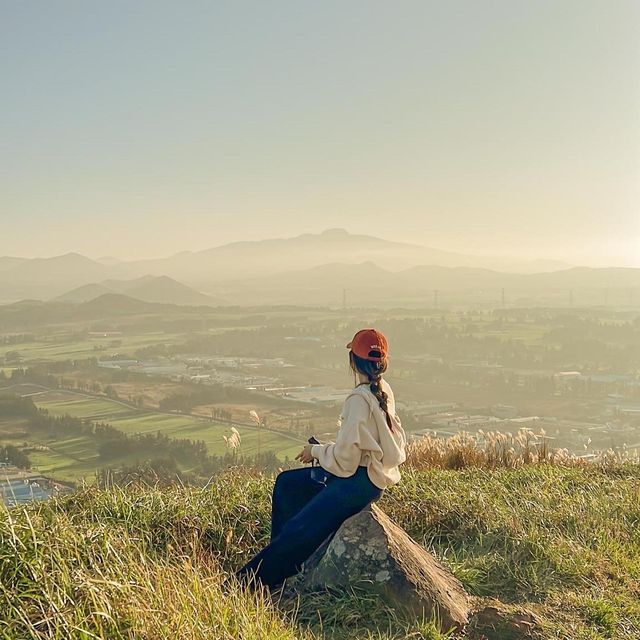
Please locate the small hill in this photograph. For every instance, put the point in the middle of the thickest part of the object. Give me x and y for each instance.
(69, 265)
(42, 278)
(114, 304)
(84, 293)
(160, 289)
(165, 289)
(122, 286)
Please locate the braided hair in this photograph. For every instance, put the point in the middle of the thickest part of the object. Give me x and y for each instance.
(373, 371)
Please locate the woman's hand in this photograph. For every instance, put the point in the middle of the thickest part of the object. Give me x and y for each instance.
(305, 455)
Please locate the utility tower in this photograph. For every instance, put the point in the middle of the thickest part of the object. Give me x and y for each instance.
(435, 299)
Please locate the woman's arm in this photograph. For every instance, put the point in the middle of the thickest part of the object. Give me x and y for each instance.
(342, 457)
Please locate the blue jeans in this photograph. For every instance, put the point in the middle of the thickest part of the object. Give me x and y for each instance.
(304, 513)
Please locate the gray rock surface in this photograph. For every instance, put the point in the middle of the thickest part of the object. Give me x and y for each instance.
(371, 552)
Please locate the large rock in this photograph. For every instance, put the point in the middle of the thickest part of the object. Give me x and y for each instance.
(370, 551)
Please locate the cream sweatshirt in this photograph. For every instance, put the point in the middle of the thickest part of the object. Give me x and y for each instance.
(364, 438)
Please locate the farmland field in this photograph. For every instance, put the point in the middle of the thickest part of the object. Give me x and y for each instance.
(83, 452)
(61, 347)
(76, 457)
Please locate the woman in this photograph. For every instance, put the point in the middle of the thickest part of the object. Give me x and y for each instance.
(354, 470)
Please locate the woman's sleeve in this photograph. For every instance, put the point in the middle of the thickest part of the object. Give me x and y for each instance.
(343, 457)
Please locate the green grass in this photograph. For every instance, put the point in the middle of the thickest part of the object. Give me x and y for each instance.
(561, 542)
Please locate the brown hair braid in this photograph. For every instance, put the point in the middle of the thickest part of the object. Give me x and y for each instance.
(373, 371)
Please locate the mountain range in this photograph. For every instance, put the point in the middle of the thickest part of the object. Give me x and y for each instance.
(306, 269)
(249, 258)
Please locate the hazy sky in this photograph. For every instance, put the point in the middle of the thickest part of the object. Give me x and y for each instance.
(143, 128)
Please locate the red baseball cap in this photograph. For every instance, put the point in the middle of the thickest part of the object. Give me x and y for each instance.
(369, 344)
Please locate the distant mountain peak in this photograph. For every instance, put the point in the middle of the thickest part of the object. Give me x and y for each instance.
(335, 233)
(72, 256)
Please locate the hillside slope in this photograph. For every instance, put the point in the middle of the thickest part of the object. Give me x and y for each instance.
(368, 283)
(160, 289)
(136, 563)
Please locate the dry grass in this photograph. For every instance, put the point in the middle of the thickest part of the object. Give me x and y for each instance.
(136, 562)
(139, 563)
(493, 450)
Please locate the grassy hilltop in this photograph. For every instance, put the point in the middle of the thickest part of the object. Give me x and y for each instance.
(560, 541)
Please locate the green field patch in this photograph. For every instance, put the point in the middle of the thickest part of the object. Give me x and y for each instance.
(74, 458)
(56, 395)
(81, 407)
(12, 428)
(251, 442)
(71, 458)
(146, 422)
(56, 464)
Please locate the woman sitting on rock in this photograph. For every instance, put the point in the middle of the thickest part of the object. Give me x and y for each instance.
(309, 504)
